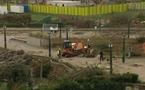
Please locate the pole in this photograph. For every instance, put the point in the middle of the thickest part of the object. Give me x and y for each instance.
(123, 58)
(49, 46)
(66, 33)
(60, 32)
(111, 59)
(128, 28)
(7, 5)
(100, 24)
(41, 69)
(5, 40)
(60, 29)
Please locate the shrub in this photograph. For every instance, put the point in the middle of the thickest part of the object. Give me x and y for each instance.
(141, 16)
(120, 19)
(140, 39)
(136, 53)
(102, 46)
(125, 78)
(67, 84)
(16, 75)
(16, 18)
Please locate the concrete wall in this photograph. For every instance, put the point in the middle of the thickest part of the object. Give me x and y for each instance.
(37, 41)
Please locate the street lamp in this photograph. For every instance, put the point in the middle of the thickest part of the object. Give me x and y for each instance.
(123, 53)
(66, 33)
(60, 28)
(49, 35)
(100, 23)
(110, 46)
(129, 27)
(5, 40)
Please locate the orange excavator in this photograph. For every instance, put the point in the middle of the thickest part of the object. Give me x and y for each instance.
(73, 49)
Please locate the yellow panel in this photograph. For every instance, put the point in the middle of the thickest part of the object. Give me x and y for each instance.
(106, 9)
(47, 9)
(82, 11)
(76, 11)
(72, 11)
(124, 7)
(57, 9)
(65, 10)
(68, 11)
(86, 11)
(91, 10)
(40, 8)
(94, 10)
(114, 8)
(35, 8)
(109, 8)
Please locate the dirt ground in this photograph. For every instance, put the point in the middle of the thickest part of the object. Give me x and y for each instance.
(131, 65)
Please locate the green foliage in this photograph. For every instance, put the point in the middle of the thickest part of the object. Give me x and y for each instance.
(24, 88)
(46, 68)
(141, 16)
(106, 84)
(140, 39)
(136, 53)
(102, 46)
(67, 84)
(95, 71)
(16, 73)
(125, 78)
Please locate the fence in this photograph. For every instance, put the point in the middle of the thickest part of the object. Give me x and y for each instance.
(85, 11)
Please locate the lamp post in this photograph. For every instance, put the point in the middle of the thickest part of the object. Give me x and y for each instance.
(129, 28)
(123, 53)
(49, 35)
(60, 28)
(100, 23)
(5, 40)
(66, 33)
(110, 46)
(7, 4)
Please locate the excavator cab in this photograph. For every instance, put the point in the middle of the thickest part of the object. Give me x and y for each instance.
(67, 44)
(67, 51)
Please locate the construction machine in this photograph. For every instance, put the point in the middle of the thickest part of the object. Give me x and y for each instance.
(73, 49)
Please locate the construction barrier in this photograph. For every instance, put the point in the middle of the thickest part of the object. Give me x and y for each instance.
(87, 10)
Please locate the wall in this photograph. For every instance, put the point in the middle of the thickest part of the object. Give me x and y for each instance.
(37, 41)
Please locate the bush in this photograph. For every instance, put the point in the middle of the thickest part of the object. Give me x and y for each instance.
(102, 46)
(120, 19)
(140, 39)
(125, 78)
(136, 53)
(67, 84)
(141, 16)
(16, 18)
